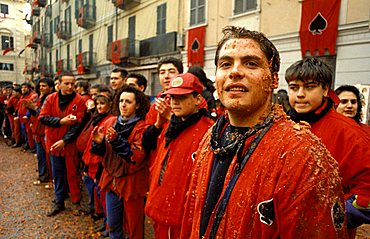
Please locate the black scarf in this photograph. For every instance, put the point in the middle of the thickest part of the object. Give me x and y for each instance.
(97, 118)
(227, 140)
(125, 127)
(64, 100)
(313, 116)
(177, 125)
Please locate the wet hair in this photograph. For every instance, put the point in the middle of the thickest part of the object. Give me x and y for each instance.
(171, 60)
(84, 84)
(359, 97)
(266, 46)
(199, 72)
(310, 69)
(47, 81)
(123, 72)
(65, 73)
(17, 88)
(141, 99)
(141, 80)
(101, 88)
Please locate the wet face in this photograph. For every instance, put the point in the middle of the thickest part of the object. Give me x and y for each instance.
(243, 79)
(102, 107)
(93, 92)
(127, 104)
(348, 104)
(133, 83)
(184, 105)
(116, 80)
(67, 85)
(166, 73)
(45, 89)
(306, 97)
(24, 89)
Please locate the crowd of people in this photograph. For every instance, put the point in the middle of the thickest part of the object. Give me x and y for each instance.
(238, 167)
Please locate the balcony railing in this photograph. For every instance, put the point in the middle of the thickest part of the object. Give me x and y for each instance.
(120, 50)
(85, 62)
(64, 30)
(125, 4)
(46, 40)
(86, 17)
(35, 11)
(36, 37)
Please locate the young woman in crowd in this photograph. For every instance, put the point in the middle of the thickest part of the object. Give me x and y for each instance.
(125, 173)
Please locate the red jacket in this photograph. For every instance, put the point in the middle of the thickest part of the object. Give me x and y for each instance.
(51, 108)
(127, 180)
(22, 109)
(349, 144)
(38, 129)
(90, 159)
(165, 202)
(290, 170)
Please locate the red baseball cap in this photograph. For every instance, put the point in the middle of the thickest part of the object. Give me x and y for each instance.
(184, 84)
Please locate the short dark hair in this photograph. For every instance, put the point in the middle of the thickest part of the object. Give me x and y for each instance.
(141, 80)
(266, 46)
(47, 81)
(26, 84)
(84, 84)
(202, 76)
(171, 60)
(359, 98)
(66, 73)
(310, 68)
(101, 88)
(123, 72)
(17, 89)
(141, 99)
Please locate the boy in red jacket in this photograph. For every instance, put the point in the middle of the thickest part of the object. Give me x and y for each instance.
(172, 159)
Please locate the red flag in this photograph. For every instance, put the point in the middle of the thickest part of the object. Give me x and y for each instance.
(7, 50)
(81, 16)
(80, 69)
(196, 46)
(319, 26)
(116, 52)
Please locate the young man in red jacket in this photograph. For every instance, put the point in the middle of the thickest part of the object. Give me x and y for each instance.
(257, 174)
(61, 113)
(172, 159)
(310, 96)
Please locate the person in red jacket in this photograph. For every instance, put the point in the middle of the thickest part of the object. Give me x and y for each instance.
(351, 104)
(311, 98)
(172, 158)
(125, 174)
(256, 173)
(11, 110)
(46, 86)
(61, 113)
(24, 116)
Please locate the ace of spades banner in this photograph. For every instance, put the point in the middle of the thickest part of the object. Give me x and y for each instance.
(319, 26)
(196, 46)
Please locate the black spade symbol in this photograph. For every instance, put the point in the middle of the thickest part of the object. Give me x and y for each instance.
(195, 45)
(318, 24)
(115, 48)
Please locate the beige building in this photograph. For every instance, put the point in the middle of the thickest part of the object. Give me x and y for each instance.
(14, 35)
(91, 37)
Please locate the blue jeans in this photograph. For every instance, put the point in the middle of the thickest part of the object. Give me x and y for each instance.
(58, 167)
(115, 215)
(90, 186)
(41, 161)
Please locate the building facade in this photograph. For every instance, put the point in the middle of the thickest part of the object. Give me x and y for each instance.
(91, 37)
(14, 35)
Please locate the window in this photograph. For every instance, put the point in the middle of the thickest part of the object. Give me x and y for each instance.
(197, 12)
(91, 48)
(6, 67)
(80, 46)
(161, 19)
(51, 62)
(68, 58)
(56, 24)
(51, 31)
(110, 33)
(68, 19)
(131, 35)
(242, 6)
(7, 42)
(4, 9)
(56, 58)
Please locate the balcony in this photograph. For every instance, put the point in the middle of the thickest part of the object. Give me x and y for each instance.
(85, 62)
(159, 45)
(35, 11)
(45, 68)
(36, 37)
(86, 17)
(64, 30)
(40, 3)
(46, 40)
(119, 51)
(63, 65)
(125, 4)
